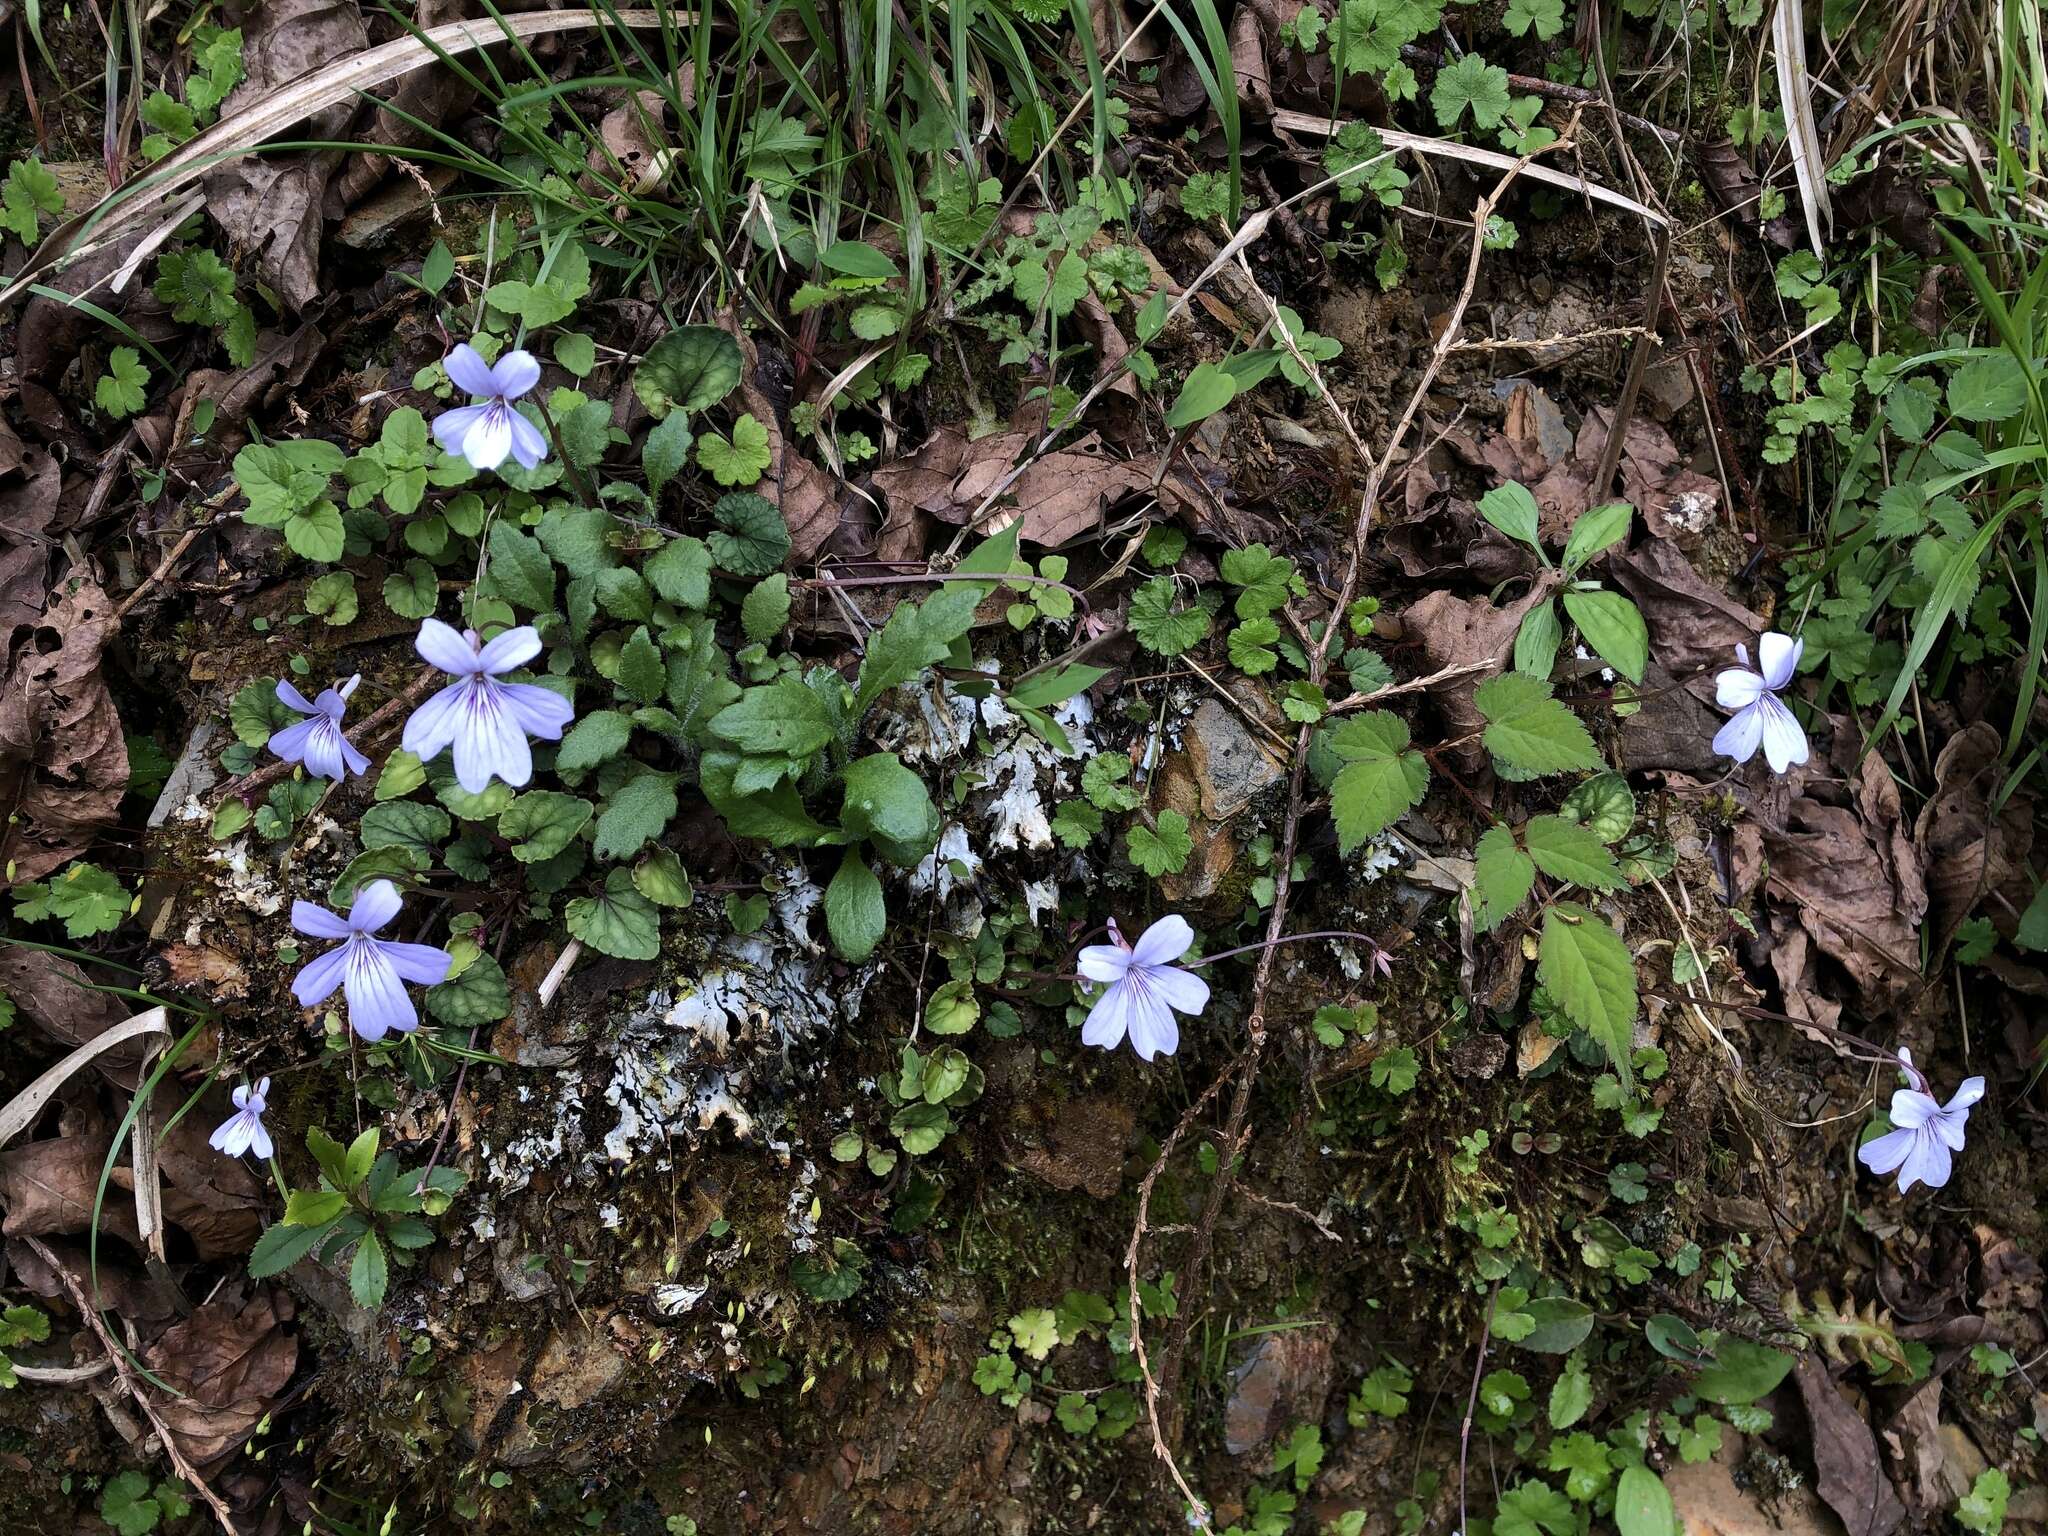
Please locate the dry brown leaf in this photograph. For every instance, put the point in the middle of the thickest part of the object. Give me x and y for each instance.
(63, 759)
(1457, 632)
(1061, 497)
(1694, 628)
(232, 1363)
(56, 997)
(808, 496)
(48, 1186)
(1850, 1477)
(1967, 851)
(27, 508)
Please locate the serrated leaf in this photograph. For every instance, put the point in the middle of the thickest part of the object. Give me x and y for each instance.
(764, 612)
(1160, 627)
(620, 922)
(1988, 389)
(1564, 850)
(1164, 849)
(752, 539)
(597, 738)
(681, 572)
(405, 824)
(520, 569)
(124, 389)
(1585, 967)
(541, 822)
(1502, 877)
(1381, 781)
(637, 814)
(413, 592)
(369, 1273)
(1528, 732)
(643, 675)
(480, 995)
(738, 460)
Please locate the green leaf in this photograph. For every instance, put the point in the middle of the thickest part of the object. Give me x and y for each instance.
(681, 572)
(1584, 965)
(576, 352)
(752, 539)
(125, 1503)
(1512, 510)
(255, 712)
(855, 914)
(316, 532)
(1267, 579)
(406, 824)
(1570, 1396)
(413, 592)
(1604, 805)
(920, 1127)
(1536, 642)
(739, 460)
(777, 815)
(1562, 1324)
(124, 389)
(480, 995)
(541, 823)
(1382, 778)
(692, 368)
(1207, 390)
(1502, 877)
(1564, 850)
(89, 900)
(1162, 851)
(1983, 1508)
(661, 878)
(30, 189)
(666, 450)
(1642, 1505)
(1742, 1372)
(597, 738)
(1595, 530)
(889, 804)
(643, 675)
(1529, 733)
(636, 815)
(370, 1273)
(1159, 626)
(856, 258)
(952, 1008)
(282, 1246)
(520, 569)
(313, 1207)
(620, 922)
(1614, 627)
(764, 613)
(1988, 389)
(781, 719)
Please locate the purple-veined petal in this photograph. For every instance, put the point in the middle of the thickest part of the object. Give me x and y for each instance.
(235, 1134)
(316, 983)
(317, 922)
(1927, 1162)
(452, 428)
(1181, 990)
(540, 712)
(468, 371)
(1109, 1018)
(1152, 1025)
(223, 1133)
(1912, 1108)
(291, 742)
(1167, 939)
(377, 1001)
(489, 438)
(1104, 962)
(1739, 737)
(1777, 657)
(440, 645)
(420, 963)
(1783, 739)
(1737, 688)
(431, 727)
(513, 375)
(291, 698)
(330, 704)
(323, 750)
(514, 648)
(375, 905)
(528, 446)
(1881, 1154)
(1949, 1127)
(489, 744)
(259, 1139)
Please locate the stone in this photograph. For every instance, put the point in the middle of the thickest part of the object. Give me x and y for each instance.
(1282, 1382)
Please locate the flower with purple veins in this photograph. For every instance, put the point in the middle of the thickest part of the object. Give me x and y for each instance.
(243, 1130)
(372, 972)
(1924, 1132)
(485, 720)
(485, 433)
(1761, 718)
(1143, 990)
(317, 741)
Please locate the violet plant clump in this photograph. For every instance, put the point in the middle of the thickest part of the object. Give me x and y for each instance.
(244, 1131)
(1761, 717)
(371, 972)
(1925, 1133)
(317, 741)
(1144, 990)
(487, 432)
(486, 721)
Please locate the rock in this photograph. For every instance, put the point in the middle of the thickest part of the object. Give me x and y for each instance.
(1710, 1503)
(1231, 765)
(1534, 1048)
(1077, 1143)
(1667, 388)
(1282, 1381)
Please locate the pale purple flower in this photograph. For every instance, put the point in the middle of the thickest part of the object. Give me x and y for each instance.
(485, 433)
(1144, 991)
(1760, 717)
(317, 741)
(1924, 1133)
(243, 1130)
(485, 720)
(371, 971)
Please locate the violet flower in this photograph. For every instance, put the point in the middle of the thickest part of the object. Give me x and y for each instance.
(317, 742)
(1144, 991)
(1924, 1132)
(371, 971)
(1760, 717)
(243, 1130)
(485, 433)
(486, 721)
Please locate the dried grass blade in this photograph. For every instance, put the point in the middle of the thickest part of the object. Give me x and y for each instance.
(1795, 95)
(23, 1108)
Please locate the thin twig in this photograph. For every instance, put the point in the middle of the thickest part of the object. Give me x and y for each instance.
(134, 1388)
(245, 789)
(1472, 1404)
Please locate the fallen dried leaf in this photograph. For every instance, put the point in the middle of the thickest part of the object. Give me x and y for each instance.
(1845, 1460)
(232, 1363)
